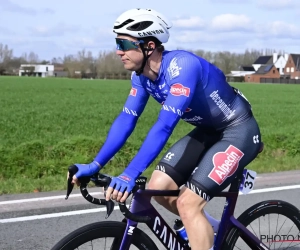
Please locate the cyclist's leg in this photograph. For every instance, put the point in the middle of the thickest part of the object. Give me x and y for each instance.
(216, 170)
(178, 163)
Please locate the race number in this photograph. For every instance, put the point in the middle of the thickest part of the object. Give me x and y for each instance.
(247, 183)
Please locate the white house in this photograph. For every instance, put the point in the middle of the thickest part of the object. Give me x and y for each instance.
(38, 70)
(241, 73)
(278, 60)
(280, 63)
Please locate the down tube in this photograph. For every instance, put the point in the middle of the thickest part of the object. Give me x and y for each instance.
(164, 233)
(127, 237)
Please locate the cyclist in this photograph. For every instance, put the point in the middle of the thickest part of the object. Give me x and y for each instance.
(224, 137)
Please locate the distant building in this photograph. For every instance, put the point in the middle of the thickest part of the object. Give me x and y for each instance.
(273, 68)
(292, 67)
(279, 61)
(268, 67)
(239, 75)
(38, 70)
(59, 71)
(264, 71)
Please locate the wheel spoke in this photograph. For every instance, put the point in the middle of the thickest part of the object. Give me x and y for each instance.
(286, 229)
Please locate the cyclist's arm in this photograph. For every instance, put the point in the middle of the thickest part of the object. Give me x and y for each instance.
(174, 106)
(124, 124)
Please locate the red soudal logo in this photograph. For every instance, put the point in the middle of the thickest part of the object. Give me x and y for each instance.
(178, 90)
(133, 92)
(225, 164)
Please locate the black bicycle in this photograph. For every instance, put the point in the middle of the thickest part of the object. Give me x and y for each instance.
(233, 233)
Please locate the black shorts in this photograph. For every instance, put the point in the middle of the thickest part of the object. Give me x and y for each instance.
(206, 161)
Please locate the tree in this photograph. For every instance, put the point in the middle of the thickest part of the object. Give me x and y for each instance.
(6, 55)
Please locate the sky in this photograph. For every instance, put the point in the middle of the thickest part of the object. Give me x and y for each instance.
(62, 27)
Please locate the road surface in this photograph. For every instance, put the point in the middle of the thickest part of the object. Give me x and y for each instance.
(37, 221)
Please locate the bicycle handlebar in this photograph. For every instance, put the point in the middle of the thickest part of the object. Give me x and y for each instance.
(100, 180)
(103, 180)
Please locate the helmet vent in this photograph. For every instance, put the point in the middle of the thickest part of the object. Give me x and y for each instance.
(123, 24)
(140, 26)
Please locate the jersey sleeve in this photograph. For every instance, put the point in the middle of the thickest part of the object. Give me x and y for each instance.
(185, 73)
(125, 123)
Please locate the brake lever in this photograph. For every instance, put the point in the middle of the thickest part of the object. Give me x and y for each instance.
(109, 204)
(72, 170)
(83, 180)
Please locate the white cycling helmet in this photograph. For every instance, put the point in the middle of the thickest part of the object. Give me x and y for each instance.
(141, 23)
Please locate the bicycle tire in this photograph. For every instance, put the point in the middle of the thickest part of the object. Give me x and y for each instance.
(261, 209)
(104, 229)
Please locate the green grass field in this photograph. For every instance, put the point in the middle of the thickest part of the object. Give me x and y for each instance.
(48, 124)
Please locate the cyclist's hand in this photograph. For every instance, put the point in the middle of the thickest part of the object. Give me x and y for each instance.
(86, 170)
(120, 187)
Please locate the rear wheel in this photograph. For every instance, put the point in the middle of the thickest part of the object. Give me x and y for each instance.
(94, 236)
(276, 223)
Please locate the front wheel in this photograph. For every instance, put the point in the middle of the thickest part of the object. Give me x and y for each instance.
(276, 223)
(94, 236)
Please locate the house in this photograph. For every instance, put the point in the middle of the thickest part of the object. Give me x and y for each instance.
(59, 71)
(292, 67)
(278, 60)
(38, 70)
(239, 75)
(266, 71)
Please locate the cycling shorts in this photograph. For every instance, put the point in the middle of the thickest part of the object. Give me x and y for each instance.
(206, 161)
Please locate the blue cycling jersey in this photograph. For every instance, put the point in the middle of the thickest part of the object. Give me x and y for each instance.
(189, 88)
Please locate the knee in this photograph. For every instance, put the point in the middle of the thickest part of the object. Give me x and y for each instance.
(189, 204)
(161, 181)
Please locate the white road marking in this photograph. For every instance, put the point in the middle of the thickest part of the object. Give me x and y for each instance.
(272, 189)
(103, 209)
(45, 198)
(54, 215)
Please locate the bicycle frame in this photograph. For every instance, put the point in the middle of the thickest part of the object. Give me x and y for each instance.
(141, 205)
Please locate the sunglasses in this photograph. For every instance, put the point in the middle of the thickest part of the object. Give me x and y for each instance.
(124, 44)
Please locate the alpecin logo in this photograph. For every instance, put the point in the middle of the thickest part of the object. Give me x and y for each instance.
(178, 90)
(133, 91)
(225, 164)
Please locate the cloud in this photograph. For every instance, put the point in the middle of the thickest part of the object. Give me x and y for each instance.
(48, 11)
(231, 22)
(208, 41)
(59, 29)
(85, 42)
(189, 36)
(103, 32)
(102, 39)
(231, 1)
(238, 32)
(5, 31)
(46, 49)
(278, 4)
(192, 22)
(278, 29)
(10, 6)
(7, 5)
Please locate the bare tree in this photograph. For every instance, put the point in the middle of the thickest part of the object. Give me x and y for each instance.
(107, 65)
(33, 58)
(6, 55)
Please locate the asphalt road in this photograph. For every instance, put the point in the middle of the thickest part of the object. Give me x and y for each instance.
(39, 220)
